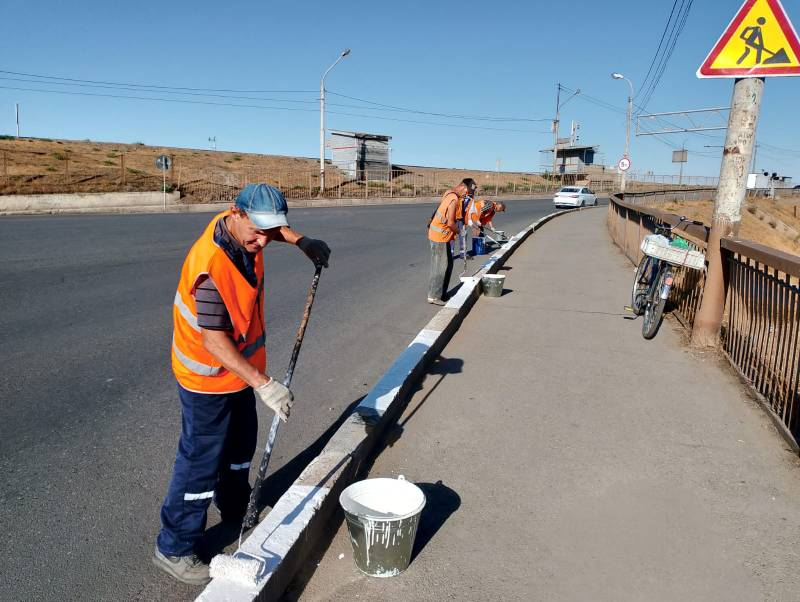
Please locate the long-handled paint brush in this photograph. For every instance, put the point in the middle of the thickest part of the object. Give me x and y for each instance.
(240, 566)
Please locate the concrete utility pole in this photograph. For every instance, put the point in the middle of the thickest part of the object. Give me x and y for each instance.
(555, 130)
(344, 53)
(732, 189)
(556, 121)
(16, 107)
(497, 180)
(624, 178)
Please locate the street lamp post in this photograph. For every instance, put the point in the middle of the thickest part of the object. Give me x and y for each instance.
(344, 53)
(627, 126)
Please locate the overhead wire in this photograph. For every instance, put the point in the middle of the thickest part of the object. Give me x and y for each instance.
(678, 25)
(264, 107)
(448, 115)
(658, 49)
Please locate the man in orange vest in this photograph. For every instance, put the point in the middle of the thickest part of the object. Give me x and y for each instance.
(442, 230)
(481, 213)
(220, 363)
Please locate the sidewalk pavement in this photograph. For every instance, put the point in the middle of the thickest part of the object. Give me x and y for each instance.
(566, 458)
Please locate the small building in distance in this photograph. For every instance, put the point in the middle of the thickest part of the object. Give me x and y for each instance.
(571, 158)
(360, 155)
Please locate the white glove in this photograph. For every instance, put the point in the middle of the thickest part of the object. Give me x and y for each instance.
(276, 397)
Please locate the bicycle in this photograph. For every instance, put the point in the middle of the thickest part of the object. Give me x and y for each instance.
(663, 252)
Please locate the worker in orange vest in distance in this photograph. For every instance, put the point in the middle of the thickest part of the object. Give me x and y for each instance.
(220, 362)
(442, 229)
(481, 213)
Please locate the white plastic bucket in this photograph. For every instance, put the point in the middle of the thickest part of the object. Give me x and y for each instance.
(382, 517)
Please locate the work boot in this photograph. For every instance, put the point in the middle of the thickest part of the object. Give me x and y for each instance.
(188, 569)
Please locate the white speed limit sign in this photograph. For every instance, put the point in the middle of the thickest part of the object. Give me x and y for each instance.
(624, 164)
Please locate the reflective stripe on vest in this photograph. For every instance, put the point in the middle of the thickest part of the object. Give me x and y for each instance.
(437, 228)
(186, 312)
(250, 349)
(194, 365)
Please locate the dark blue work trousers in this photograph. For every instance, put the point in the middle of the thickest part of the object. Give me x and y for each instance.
(218, 439)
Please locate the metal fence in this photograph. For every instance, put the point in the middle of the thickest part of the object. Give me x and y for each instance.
(761, 334)
(762, 337)
(43, 167)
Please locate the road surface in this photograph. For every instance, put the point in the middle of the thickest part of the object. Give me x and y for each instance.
(90, 419)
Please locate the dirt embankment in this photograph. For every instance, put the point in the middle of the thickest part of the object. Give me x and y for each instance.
(774, 223)
(36, 166)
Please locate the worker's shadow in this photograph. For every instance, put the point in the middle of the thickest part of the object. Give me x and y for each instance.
(221, 535)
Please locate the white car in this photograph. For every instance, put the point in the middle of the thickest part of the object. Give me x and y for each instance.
(574, 196)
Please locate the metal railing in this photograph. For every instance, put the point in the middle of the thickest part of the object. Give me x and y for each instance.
(761, 333)
(762, 337)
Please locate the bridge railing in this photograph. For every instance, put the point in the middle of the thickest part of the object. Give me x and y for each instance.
(761, 330)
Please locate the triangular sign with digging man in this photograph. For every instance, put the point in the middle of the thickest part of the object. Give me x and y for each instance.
(759, 41)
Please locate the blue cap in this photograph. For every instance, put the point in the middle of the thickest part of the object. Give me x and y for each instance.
(265, 205)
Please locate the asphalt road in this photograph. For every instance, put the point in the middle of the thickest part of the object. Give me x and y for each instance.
(89, 418)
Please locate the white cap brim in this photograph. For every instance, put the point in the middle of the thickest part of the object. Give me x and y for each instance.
(267, 220)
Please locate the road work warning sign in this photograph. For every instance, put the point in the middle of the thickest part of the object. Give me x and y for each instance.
(760, 41)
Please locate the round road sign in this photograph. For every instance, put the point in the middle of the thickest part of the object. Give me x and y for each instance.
(163, 162)
(624, 164)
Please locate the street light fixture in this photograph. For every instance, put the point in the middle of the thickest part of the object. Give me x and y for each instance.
(627, 127)
(344, 53)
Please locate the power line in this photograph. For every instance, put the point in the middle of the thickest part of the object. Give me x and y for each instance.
(677, 29)
(261, 107)
(448, 115)
(155, 86)
(658, 50)
(134, 89)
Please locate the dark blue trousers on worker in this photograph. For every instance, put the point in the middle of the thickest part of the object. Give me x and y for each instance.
(218, 439)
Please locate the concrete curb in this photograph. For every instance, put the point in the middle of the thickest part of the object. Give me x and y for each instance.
(292, 529)
(43, 205)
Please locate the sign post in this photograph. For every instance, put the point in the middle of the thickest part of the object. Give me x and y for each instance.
(164, 162)
(759, 42)
(680, 156)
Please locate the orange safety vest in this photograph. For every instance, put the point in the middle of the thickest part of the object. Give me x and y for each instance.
(480, 212)
(437, 229)
(194, 367)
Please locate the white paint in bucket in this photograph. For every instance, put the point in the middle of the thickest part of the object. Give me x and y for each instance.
(383, 499)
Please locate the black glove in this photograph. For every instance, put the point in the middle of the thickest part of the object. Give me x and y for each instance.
(316, 250)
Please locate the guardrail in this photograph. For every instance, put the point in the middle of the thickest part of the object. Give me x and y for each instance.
(761, 335)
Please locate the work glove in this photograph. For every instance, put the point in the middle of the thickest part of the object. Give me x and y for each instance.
(276, 397)
(316, 250)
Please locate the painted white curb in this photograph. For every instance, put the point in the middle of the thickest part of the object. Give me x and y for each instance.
(283, 540)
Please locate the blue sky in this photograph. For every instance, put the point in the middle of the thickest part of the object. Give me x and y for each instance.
(500, 59)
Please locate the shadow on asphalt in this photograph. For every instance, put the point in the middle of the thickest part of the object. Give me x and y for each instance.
(440, 503)
(221, 535)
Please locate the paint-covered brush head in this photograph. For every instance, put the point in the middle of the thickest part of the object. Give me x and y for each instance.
(241, 569)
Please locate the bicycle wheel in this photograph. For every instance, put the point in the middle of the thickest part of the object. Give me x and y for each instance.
(641, 283)
(654, 307)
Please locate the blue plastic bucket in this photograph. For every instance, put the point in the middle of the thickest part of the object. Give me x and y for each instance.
(478, 245)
